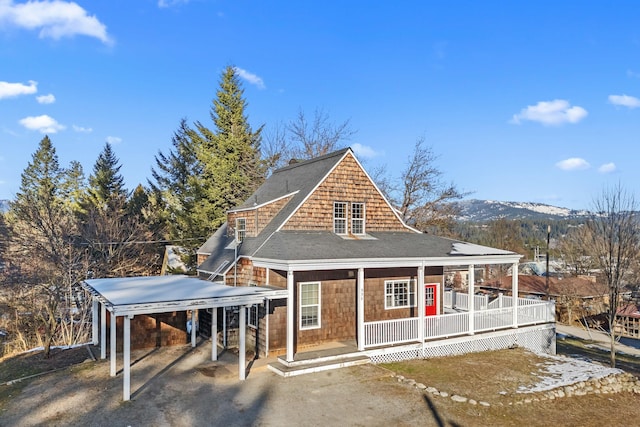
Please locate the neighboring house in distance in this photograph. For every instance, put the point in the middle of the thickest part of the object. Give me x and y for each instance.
(577, 298)
(355, 274)
(628, 321)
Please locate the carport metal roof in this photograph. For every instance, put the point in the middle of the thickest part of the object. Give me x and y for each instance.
(159, 294)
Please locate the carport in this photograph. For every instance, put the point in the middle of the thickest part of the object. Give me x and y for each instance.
(131, 296)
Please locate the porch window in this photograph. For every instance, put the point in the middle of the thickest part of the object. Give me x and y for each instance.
(241, 229)
(310, 305)
(357, 218)
(400, 293)
(252, 316)
(340, 217)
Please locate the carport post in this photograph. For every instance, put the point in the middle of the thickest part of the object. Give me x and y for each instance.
(103, 331)
(112, 346)
(214, 333)
(471, 303)
(241, 343)
(126, 393)
(95, 312)
(193, 328)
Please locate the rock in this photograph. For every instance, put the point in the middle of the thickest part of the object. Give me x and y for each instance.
(421, 386)
(432, 390)
(444, 394)
(457, 398)
(484, 403)
(472, 402)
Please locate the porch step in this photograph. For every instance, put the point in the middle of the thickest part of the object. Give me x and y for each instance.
(309, 367)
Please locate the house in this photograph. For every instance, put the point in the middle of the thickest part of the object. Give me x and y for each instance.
(628, 321)
(318, 268)
(353, 270)
(577, 299)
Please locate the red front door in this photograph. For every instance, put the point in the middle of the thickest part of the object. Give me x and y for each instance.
(430, 299)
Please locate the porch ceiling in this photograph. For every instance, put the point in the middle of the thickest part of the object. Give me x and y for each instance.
(159, 294)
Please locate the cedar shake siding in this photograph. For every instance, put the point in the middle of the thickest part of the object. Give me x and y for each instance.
(346, 183)
(153, 330)
(256, 219)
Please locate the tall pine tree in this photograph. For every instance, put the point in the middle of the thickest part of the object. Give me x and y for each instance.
(106, 183)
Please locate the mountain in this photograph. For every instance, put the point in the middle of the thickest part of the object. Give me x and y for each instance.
(474, 210)
(4, 206)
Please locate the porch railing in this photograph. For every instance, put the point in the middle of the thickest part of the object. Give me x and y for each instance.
(388, 332)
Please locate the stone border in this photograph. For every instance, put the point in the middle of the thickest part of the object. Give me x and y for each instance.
(611, 384)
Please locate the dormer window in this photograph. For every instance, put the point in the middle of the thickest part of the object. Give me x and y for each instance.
(357, 218)
(241, 229)
(340, 217)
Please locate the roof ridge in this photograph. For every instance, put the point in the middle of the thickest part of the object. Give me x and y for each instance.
(315, 159)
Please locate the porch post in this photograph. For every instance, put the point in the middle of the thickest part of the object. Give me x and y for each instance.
(126, 394)
(421, 304)
(472, 307)
(214, 333)
(224, 327)
(112, 346)
(193, 328)
(290, 320)
(514, 292)
(241, 344)
(360, 309)
(103, 331)
(95, 312)
(266, 333)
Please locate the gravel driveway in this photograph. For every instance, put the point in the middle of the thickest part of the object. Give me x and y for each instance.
(181, 387)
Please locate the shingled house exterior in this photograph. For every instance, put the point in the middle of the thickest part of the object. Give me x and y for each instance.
(355, 273)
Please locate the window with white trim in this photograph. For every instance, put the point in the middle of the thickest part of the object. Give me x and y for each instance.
(399, 293)
(310, 305)
(252, 316)
(340, 217)
(357, 218)
(241, 229)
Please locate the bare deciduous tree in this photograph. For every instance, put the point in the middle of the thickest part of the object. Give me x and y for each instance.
(614, 241)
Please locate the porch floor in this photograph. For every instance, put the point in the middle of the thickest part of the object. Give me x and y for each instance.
(322, 357)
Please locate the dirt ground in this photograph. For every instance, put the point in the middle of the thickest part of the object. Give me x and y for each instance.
(179, 386)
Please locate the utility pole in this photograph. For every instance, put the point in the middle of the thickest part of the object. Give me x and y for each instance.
(547, 272)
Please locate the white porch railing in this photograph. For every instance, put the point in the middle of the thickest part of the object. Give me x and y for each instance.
(388, 332)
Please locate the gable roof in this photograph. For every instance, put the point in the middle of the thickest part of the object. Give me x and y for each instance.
(299, 181)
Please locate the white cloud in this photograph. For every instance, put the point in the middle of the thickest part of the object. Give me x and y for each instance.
(364, 151)
(250, 78)
(624, 101)
(169, 3)
(551, 113)
(54, 19)
(113, 140)
(573, 164)
(80, 129)
(46, 99)
(607, 168)
(43, 124)
(8, 90)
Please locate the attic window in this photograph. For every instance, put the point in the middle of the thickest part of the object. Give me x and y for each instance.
(340, 217)
(357, 218)
(241, 229)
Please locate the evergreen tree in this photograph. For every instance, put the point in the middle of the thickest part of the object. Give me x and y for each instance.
(106, 183)
(230, 154)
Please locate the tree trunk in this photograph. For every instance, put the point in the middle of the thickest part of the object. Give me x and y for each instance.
(612, 334)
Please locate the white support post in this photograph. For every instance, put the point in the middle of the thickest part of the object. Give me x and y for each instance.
(472, 281)
(224, 327)
(193, 328)
(267, 276)
(421, 304)
(514, 292)
(360, 309)
(266, 321)
(290, 320)
(95, 324)
(242, 342)
(126, 392)
(112, 346)
(500, 302)
(214, 333)
(103, 331)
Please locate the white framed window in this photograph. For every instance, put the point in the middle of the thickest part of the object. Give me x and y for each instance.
(241, 229)
(253, 316)
(340, 217)
(399, 293)
(357, 218)
(310, 305)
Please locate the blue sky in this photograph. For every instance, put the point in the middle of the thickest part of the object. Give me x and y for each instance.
(522, 101)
